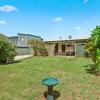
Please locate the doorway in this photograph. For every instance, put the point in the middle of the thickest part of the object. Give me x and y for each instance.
(63, 48)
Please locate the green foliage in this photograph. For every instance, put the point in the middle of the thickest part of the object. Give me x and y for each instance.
(39, 48)
(93, 46)
(7, 50)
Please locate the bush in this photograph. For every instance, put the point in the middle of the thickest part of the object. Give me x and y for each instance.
(43, 52)
(7, 50)
(92, 47)
(39, 48)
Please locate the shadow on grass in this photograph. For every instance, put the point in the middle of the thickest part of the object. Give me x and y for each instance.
(56, 94)
(92, 69)
(14, 62)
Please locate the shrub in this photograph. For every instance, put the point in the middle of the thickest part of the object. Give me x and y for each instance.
(7, 50)
(93, 48)
(39, 48)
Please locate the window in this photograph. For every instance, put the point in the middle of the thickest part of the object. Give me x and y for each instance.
(21, 39)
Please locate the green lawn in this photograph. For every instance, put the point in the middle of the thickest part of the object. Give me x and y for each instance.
(22, 80)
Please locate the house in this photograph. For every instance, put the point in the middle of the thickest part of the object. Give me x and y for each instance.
(74, 47)
(21, 42)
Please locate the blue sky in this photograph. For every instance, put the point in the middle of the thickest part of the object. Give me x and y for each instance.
(49, 19)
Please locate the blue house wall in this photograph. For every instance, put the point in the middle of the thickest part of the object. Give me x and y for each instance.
(21, 42)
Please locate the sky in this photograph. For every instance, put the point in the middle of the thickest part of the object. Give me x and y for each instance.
(50, 19)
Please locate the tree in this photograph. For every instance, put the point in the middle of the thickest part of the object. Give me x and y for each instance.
(93, 48)
(7, 50)
(39, 48)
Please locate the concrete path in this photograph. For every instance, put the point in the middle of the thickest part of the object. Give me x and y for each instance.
(22, 57)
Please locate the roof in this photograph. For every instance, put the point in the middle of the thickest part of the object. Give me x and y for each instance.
(25, 34)
(64, 41)
(22, 46)
(30, 35)
(13, 37)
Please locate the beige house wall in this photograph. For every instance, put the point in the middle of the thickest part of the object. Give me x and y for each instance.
(51, 49)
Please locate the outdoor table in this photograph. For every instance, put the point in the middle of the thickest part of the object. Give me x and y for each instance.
(50, 82)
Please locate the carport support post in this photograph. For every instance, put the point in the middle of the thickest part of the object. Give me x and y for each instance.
(70, 51)
(70, 45)
(59, 48)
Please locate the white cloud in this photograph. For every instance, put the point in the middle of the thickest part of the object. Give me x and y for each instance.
(77, 28)
(8, 8)
(3, 22)
(85, 1)
(57, 19)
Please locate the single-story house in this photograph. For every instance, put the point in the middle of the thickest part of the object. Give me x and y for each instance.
(73, 47)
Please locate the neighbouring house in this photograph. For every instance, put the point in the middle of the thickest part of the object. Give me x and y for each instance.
(74, 47)
(21, 42)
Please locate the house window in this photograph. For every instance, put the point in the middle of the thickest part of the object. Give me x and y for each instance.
(21, 39)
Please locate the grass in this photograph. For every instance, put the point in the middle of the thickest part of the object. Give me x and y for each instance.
(22, 80)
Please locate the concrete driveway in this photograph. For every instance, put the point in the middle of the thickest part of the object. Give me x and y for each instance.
(22, 57)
